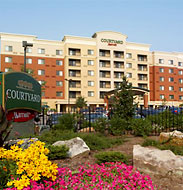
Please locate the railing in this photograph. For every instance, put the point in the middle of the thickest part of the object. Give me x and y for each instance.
(163, 119)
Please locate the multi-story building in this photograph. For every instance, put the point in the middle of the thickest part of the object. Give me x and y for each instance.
(166, 78)
(90, 67)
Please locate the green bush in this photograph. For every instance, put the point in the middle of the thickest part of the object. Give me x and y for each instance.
(95, 141)
(57, 152)
(117, 126)
(66, 122)
(7, 170)
(101, 125)
(110, 156)
(141, 127)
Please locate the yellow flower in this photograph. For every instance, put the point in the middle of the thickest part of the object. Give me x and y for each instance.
(10, 183)
(20, 142)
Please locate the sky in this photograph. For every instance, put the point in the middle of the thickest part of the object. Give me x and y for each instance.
(155, 22)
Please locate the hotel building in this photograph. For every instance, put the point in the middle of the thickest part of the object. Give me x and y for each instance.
(91, 66)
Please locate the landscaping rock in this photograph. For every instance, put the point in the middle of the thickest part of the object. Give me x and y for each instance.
(163, 163)
(173, 138)
(76, 146)
(27, 142)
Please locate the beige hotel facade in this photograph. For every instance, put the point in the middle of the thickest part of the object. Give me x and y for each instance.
(91, 66)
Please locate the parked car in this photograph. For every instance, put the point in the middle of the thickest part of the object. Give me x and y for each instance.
(53, 119)
(94, 116)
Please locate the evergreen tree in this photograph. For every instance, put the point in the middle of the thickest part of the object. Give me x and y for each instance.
(124, 106)
(80, 102)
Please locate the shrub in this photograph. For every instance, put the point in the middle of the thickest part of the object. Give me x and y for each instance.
(101, 125)
(141, 127)
(117, 125)
(66, 122)
(32, 164)
(7, 168)
(110, 156)
(57, 152)
(95, 141)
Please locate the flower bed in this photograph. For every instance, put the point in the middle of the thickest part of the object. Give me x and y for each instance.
(33, 171)
(107, 176)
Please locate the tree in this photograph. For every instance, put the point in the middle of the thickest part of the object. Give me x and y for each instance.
(124, 106)
(80, 102)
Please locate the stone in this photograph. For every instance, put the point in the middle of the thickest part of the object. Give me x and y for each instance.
(173, 138)
(76, 146)
(24, 145)
(163, 163)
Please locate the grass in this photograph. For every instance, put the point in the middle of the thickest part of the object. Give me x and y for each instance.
(177, 150)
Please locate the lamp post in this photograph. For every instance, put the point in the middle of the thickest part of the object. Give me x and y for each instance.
(25, 45)
(68, 80)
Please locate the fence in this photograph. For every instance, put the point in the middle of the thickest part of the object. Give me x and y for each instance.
(163, 119)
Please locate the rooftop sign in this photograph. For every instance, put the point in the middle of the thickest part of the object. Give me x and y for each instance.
(111, 42)
(20, 91)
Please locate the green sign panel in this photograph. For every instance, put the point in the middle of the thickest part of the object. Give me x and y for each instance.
(20, 91)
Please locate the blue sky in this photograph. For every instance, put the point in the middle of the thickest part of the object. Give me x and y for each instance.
(155, 22)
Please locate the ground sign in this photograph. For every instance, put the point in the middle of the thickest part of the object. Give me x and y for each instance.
(20, 94)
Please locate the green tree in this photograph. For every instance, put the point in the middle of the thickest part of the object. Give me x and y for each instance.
(80, 102)
(124, 105)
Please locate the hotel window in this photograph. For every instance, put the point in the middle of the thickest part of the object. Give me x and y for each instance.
(72, 62)
(8, 48)
(90, 93)
(41, 61)
(129, 75)
(8, 70)
(180, 97)
(41, 82)
(59, 83)
(162, 96)
(171, 97)
(161, 79)
(58, 52)
(59, 93)
(41, 51)
(180, 89)
(90, 83)
(128, 55)
(59, 62)
(90, 62)
(102, 64)
(170, 70)
(162, 88)
(161, 70)
(181, 72)
(128, 65)
(91, 73)
(29, 61)
(180, 81)
(59, 73)
(180, 64)
(8, 59)
(90, 52)
(171, 88)
(28, 50)
(41, 72)
(170, 79)
(170, 62)
(161, 61)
